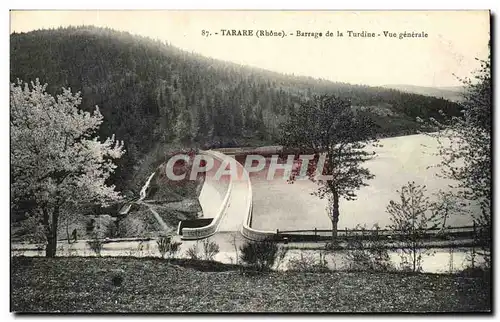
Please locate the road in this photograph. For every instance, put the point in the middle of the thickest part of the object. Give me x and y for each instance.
(229, 244)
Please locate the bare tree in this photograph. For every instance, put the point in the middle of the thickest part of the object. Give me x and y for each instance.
(330, 129)
(411, 216)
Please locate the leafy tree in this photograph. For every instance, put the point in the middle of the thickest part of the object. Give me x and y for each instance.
(447, 205)
(411, 216)
(329, 128)
(465, 148)
(56, 161)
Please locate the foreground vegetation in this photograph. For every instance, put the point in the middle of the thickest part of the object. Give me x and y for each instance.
(156, 285)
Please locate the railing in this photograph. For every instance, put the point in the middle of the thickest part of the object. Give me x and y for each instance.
(249, 150)
(209, 230)
(323, 234)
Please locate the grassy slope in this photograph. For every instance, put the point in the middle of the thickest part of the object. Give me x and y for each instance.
(84, 284)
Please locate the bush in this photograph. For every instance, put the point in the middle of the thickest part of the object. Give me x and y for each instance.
(117, 276)
(166, 245)
(163, 245)
(33, 231)
(111, 229)
(478, 271)
(367, 252)
(205, 266)
(174, 249)
(369, 260)
(131, 226)
(210, 249)
(117, 279)
(90, 225)
(192, 252)
(332, 246)
(280, 256)
(260, 255)
(308, 263)
(95, 244)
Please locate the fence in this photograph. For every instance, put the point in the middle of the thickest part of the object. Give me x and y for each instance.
(316, 235)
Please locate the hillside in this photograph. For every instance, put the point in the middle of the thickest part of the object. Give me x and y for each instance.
(454, 94)
(156, 97)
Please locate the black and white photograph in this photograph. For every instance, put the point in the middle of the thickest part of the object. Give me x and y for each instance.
(250, 161)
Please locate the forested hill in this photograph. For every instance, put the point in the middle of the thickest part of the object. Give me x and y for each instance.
(153, 95)
(452, 93)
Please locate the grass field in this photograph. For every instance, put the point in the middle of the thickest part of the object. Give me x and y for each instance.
(155, 285)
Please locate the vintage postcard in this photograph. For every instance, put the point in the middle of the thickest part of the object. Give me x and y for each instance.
(250, 161)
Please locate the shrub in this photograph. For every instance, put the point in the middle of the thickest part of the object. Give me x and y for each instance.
(210, 249)
(175, 247)
(280, 256)
(95, 244)
(369, 260)
(33, 232)
(483, 272)
(332, 246)
(117, 280)
(111, 229)
(131, 226)
(117, 277)
(140, 247)
(367, 252)
(308, 263)
(260, 255)
(205, 266)
(166, 245)
(192, 252)
(90, 225)
(71, 251)
(163, 245)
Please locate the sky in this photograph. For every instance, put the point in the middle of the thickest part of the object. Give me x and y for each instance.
(455, 39)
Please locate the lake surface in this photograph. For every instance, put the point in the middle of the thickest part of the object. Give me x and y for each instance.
(280, 205)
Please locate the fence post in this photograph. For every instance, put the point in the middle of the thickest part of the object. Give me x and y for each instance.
(277, 234)
(315, 234)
